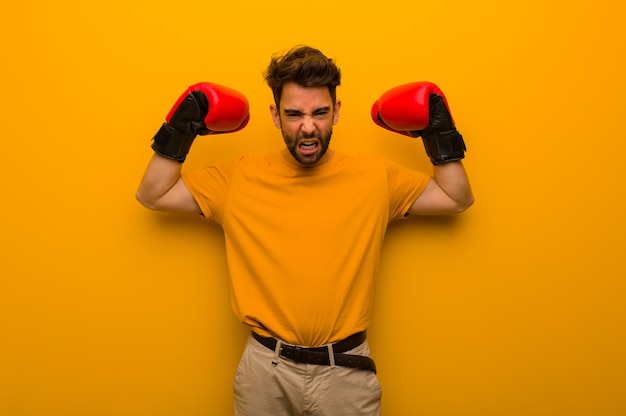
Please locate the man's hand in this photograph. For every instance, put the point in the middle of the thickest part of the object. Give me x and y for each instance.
(204, 108)
(420, 109)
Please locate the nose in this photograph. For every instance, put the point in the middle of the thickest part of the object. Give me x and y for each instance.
(308, 124)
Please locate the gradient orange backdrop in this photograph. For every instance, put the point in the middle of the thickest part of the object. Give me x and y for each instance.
(514, 308)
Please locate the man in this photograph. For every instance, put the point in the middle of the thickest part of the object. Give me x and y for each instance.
(304, 226)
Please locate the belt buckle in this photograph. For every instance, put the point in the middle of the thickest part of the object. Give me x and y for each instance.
(297, 354)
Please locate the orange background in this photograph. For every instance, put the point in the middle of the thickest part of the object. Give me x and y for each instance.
(516, 307)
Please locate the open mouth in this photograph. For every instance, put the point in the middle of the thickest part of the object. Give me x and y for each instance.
(308, 146)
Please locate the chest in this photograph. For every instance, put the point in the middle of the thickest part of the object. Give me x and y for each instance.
(324, 204)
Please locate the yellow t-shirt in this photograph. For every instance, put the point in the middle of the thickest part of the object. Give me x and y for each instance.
(303, 244)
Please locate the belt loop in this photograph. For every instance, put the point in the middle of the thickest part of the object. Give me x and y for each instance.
(277, 352)
(331, 355)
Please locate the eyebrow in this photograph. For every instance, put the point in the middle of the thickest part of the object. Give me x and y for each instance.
(317, 110)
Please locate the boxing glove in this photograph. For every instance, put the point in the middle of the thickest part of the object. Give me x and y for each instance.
(204, 108)
(420, 109)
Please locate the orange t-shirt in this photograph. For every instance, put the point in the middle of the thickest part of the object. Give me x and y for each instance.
(303, 244)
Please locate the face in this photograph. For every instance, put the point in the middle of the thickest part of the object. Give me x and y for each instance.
(306, 118)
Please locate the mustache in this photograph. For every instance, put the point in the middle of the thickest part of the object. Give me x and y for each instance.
(309, 136)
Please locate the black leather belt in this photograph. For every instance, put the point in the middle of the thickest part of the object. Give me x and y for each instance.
(320, 356)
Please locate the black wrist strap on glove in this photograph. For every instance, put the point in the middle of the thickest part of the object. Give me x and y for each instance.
(442, 147)
(174, 138)
(441, 139)
(172, 143)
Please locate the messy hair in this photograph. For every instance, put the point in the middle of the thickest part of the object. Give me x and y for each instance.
(305, 66)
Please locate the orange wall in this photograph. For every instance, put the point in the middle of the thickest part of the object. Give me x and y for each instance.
(514, 308)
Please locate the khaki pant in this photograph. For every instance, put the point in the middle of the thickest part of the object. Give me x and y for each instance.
(288, 388)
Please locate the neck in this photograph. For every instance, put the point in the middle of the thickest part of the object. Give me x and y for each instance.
(325, 159)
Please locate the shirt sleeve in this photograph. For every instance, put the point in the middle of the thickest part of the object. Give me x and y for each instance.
(405, 185)
(209, 186)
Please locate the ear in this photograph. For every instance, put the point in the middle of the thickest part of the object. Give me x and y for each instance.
(275, 115)
(336, 112)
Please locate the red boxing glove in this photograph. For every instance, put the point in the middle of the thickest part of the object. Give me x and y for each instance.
(204, 108)
(420, 109)
(228, 108)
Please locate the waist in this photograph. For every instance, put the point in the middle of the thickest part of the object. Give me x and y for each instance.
(344, 345)
(330, 354)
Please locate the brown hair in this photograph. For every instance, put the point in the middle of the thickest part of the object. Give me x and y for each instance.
(306, 66)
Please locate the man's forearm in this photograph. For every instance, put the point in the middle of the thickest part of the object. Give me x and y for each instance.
(452, 179)
(160, 176)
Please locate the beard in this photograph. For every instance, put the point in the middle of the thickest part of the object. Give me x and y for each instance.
(308, 149)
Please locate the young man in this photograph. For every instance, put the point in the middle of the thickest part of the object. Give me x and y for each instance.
(304, 226)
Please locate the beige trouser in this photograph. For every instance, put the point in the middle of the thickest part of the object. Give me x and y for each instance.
(288, 388)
